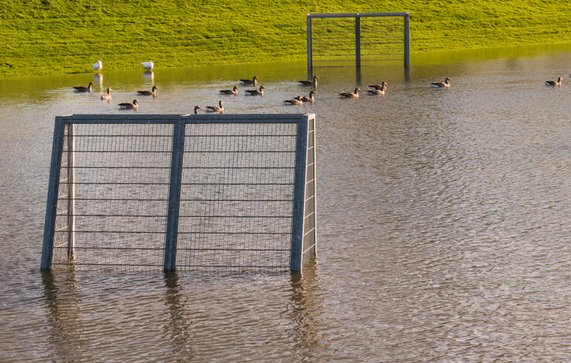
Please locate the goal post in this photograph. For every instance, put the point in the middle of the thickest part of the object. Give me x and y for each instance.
(182, 192)
(358, 29)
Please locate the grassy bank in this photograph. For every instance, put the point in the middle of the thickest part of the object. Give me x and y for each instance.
(42, 37)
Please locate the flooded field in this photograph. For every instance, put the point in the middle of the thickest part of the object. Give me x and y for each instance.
(443, 224)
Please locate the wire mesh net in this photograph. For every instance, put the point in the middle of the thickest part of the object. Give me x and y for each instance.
(237, 196)
(235, 209)
(113, 196)
(334, 40)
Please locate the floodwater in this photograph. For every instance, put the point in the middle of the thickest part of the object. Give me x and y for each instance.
(444, 225)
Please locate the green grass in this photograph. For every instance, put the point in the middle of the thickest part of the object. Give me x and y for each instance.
(41, 37)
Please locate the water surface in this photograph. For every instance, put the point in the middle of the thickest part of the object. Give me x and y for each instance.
(443, 223)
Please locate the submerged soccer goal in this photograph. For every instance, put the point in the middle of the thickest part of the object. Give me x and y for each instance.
(357, 38)
(182, 192)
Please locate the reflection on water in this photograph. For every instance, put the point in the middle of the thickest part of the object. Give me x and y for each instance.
(178, 326)
(64, 317)
(443, 225)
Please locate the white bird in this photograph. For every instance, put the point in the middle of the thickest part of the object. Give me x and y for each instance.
(97, 66)
(148, 65)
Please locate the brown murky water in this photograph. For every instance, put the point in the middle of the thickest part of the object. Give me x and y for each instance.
(444, 226)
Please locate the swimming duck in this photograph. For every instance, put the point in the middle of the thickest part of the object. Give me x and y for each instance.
(354, 94)
(312, 83)
(250, 82)
(294, 101)
(129, 106)
(381, 86)
(255, 92)
(310, 98)
(378, 90)
(554, 83)
(106, 96)
(233, 91)
(83, 89)
(217, 109)
(196, 108)
(445, 84)
(152, 92)
(148, 65)
(97, 66)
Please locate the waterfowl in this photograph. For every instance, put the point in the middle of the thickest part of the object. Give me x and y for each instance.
(310, 98)
(354, 94)
(233, 91)
(381, 86)
(554, 83)
(250, 82)
(148, 65)
(129, 106)
(378, 90)
(445, 84)
(152, 92)
(375, 92)
(294, 101)
(196, 108)
(312, 83)
(97, 66)
(255, 92)
(106, 96)
(217, 109)
(83, 89)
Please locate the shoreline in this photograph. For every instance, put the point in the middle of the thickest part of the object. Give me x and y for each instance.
(418, 59)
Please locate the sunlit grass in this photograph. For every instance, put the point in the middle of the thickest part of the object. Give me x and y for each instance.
(59, 36)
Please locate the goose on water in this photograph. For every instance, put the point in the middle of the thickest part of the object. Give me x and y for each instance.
(376, 92)
(217, 109)
(311, 83)
(196, 108)
(106, 96)
(554, 83)
(310, 98)
(250, 82)
(383, 85)
(152, 92)
(255, 92)
(377, 89)
(129, 106)
(354, 94)
(83, 89)
(445, 84)
(294, 101)
(233, 91)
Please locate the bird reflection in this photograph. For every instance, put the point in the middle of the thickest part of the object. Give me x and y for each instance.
(98, 79)
(149, 75)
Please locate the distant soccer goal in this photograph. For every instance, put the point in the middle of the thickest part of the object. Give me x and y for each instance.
(357, 38)
(173, 192)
